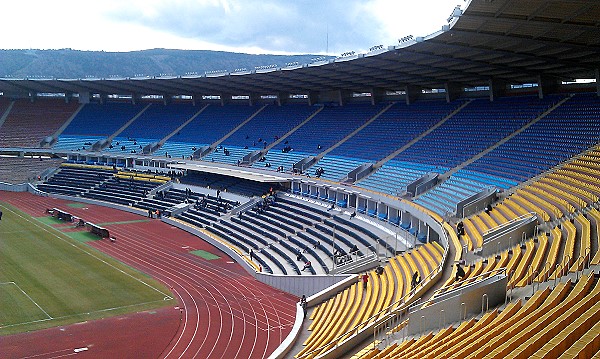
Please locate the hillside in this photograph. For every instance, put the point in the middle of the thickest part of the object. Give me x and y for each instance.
(67, 63)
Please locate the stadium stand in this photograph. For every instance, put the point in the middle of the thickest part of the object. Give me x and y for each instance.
(518, 331)
(205, 130)
(153, 125)
(28, 123)
(95, 122)
(29, 168)
(363, 302)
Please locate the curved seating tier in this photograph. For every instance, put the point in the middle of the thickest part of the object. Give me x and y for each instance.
(358, 305)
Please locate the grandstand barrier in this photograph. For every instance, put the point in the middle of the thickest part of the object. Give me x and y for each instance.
(10, 187)
(506, 235)
(304, 163)
(251, 157)
(177, 209)
(201, 152)
(422, 184)
(475, 203)
(150, 148)
(246, 206)
(358, 264)
(359, 172)
(100, 144)
(456, 304)
(303, 284)
(120, 207)
(163, 187)
(288, 343)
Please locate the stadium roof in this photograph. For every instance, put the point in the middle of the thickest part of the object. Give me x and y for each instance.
(514, 41)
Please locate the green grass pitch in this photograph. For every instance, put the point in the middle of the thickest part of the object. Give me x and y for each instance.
(49, 279)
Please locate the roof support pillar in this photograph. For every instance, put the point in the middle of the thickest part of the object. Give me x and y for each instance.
(344, 96)
(225, 99)
(597, 82)
(377, 95)
(546, 85)
(412, 93)
(84, 97)
(167, 99)
(313, 98)
(253, 99)
(135, 98)
(282, 98)
(497, 88)
(453, 91)
(103, 98)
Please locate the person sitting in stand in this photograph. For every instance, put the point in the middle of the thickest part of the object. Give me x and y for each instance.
(307, 265)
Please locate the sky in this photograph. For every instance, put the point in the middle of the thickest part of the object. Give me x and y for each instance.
(249, 26)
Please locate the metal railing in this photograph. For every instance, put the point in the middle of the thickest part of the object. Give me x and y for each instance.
(389, 314)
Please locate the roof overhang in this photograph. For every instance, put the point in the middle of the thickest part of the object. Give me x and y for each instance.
(514, 41)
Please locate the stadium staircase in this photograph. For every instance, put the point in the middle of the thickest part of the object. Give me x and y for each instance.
(176, 131)
(283, 138)
(6, 113)
(505, 139)
(394, 154)
(222, 139)
(98, 146)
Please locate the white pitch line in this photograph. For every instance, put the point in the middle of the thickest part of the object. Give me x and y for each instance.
(45, 229)
(31, 299)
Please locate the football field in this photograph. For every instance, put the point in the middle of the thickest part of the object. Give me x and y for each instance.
(50, 277)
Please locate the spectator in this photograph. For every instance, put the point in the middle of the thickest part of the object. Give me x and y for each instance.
(415, 280)
(365, 280)
(307, 265)
(460, 272)
(251, 254)
(303, 304)
(379, 270)
(353, 214)
(0, 215)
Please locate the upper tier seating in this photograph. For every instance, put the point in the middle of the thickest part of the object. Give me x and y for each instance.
(94, 122)
(476, 127)
(153, 125)
(28, 123)
(566, 131)
(211, 125)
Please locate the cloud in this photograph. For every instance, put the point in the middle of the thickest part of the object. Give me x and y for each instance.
(256, 26)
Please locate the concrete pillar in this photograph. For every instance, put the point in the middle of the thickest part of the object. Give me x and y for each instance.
(282, 98)
(453, 91)
(377, 95)
(167, 99)
(84, 97)
(547, 85)
(497, 88)
(344, 96)
(225, 99)
(103, 98)
(135, 98)
(412, 93)
(313, 98)
(253, 99)
(597, 82)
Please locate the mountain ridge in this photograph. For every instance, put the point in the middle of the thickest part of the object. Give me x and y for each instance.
(69, 63)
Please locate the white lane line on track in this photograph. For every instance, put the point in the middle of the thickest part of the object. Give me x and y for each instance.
(237, 285)
(276, 312)
(180, 266)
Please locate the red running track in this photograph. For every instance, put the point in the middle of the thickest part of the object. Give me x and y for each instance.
(226, 313)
